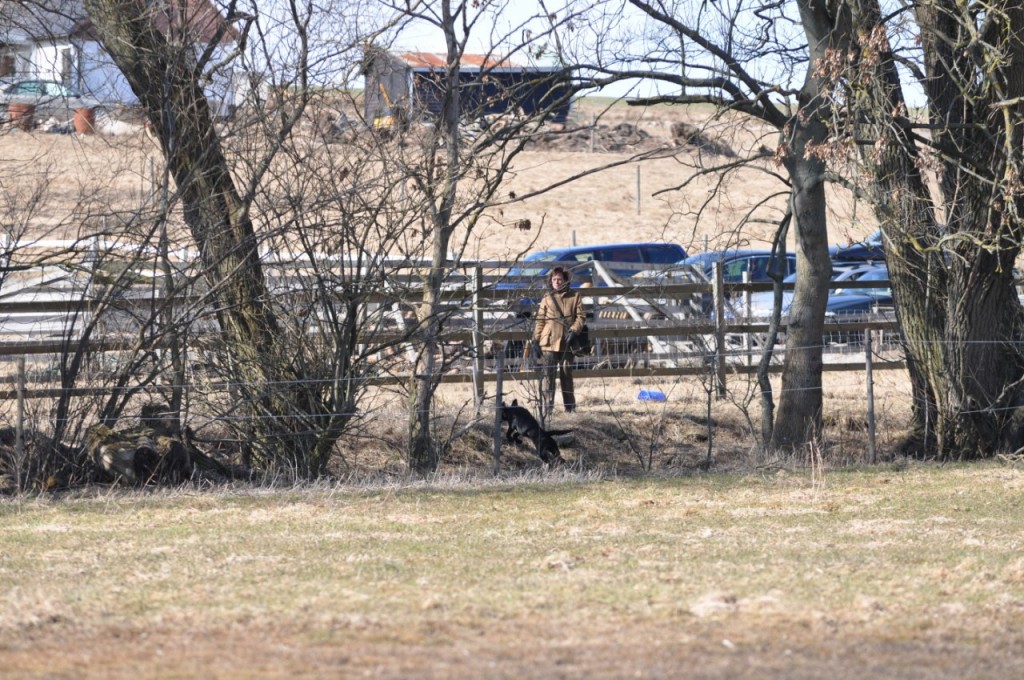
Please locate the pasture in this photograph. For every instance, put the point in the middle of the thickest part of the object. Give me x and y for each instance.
(81, 178)
(897, 572)
(767, 568)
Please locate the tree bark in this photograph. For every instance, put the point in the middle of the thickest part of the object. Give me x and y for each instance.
(952, 282)
(165, 77)
(799, 417)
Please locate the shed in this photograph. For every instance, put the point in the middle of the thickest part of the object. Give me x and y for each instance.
(409, 86)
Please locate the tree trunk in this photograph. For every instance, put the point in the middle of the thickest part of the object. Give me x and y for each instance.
(799, 416)
(975, 106)
(952, 283)
(423, 454)
(768, 351)
(165, 77)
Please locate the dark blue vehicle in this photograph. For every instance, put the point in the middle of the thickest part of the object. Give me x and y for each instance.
(759, 264)
(870, 249)
(762, 304)
(572, 256)
(575, 259)
(861, 300)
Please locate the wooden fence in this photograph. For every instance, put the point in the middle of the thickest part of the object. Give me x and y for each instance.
(654, 323)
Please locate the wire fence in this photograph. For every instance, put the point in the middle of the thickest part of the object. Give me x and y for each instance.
(647, 331)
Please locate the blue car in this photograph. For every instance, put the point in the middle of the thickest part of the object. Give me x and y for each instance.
(870, 249)
(761, 304)
(861, 300)
(843, 303)
(760, 265)
(620, 259)
(628, 253)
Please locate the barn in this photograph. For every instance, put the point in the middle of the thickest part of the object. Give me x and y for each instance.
(407, 86)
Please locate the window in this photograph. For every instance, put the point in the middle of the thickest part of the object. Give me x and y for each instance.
(67, 63)
(666, 254)
(621, 255)
(733, 271)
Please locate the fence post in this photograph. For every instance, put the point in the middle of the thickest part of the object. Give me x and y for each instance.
(19, 428)
(638, 190)
(478, 340)
(749, 355)
(499, 370)
(717, 292)
(872, 458)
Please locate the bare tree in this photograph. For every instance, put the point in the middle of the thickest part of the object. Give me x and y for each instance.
(456, 177)
(742, 58)
(951, 251)
(297, 348)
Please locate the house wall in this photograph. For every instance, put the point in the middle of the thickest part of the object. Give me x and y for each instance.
(104, 80)
(496, 92)
(56, 61)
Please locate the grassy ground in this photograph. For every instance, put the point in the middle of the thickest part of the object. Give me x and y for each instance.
(898, 572)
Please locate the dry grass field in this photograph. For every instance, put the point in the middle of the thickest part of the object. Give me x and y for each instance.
(901, 572)
(807, 567)
(110, 172)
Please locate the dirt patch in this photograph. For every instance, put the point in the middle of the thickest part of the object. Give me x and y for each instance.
(725, 646)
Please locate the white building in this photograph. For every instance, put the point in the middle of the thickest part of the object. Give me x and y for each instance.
(55, 40)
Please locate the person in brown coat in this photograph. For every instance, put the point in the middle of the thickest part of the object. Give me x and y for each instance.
(560, 315)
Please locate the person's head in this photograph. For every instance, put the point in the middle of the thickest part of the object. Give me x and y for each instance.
(558, 278)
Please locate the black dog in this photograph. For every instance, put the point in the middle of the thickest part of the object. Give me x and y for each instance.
(522, 424)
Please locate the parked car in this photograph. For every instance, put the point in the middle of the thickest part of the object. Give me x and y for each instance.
(843, 303)
(759, 264)
(762, 304)
(50, 98)
(870, 249)
(858, 300)
(613, 253)
(575, 259)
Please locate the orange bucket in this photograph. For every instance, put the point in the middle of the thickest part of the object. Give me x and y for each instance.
(22, 115)
(85, 121)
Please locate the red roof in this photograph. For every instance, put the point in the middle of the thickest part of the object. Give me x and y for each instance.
(434, 60)
(200, 19)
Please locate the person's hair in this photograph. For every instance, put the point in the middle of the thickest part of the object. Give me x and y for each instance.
(558, 270)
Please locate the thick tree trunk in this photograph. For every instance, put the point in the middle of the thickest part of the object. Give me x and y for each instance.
(899, 195)
(952, 283)
(974, 94)
(164, 76)
(800, 401)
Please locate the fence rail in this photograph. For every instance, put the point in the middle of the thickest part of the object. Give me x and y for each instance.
(654, 323)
